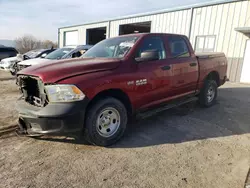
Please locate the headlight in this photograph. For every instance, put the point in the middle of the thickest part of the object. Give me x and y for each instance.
(63, 93)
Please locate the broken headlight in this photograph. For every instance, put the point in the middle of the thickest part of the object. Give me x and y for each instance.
(63, 93)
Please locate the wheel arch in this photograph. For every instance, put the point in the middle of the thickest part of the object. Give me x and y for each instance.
(214, 75)
(115, 93)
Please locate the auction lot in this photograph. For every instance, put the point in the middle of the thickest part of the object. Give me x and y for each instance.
(183, 147)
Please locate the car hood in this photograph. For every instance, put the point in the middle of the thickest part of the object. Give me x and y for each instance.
(35, 61)
(60, 69)
(9, 59)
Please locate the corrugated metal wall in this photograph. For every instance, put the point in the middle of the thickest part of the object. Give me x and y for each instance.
(81, 32)
(219, 20)
(171, 22)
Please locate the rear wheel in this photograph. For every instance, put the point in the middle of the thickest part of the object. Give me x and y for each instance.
(208, 94)
(106, 122)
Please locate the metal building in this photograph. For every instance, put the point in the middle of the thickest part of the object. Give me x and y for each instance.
(223, 26)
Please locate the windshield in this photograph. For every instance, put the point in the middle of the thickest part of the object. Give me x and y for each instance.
(59, 53)
(33, 53)
(112, 48)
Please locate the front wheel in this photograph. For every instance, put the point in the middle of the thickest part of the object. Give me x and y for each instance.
(106, 122)
(208, 94)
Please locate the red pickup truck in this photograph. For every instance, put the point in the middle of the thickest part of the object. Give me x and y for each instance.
(138, 74)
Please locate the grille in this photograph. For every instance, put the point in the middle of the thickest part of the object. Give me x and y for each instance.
(32, 90)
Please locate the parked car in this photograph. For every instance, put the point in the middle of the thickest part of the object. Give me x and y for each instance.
(61, 53)
(77, 52)
(6, 52)
(134, 75)
(37, 53)
(10, 63)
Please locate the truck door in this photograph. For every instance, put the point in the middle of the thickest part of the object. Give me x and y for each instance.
(185, 68)
(152, 78)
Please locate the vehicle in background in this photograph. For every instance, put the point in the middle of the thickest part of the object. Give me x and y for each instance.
(6, 52)
(119, 78)
(61, 53)
(77, 52)
(10, 63)
(37, 53)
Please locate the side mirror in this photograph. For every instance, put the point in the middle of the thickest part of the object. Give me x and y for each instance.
(43, 56)
(25, 57)
(149, 55)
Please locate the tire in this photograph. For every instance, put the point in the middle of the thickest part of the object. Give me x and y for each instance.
(204, 98)
(104, 134)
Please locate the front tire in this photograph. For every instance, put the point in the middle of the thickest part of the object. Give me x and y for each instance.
(105, 122)
(208, 94)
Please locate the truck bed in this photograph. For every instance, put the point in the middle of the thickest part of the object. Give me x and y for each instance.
(212, 62)
(209, 55)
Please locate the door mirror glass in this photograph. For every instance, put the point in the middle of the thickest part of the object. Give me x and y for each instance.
(149, 55)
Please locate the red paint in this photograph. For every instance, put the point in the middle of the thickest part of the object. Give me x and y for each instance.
(94, 75)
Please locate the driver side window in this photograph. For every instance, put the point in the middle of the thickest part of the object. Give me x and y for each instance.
(152, 43)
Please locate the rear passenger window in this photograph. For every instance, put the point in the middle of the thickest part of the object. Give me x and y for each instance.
(153, 43)
(178, 47)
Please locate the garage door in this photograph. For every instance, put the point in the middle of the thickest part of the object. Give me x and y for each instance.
(71, 38)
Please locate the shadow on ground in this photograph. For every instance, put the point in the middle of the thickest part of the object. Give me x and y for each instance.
(230, 116)
(8, 78)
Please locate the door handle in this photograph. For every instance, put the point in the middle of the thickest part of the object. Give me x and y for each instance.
(166, 68)
(193, 64)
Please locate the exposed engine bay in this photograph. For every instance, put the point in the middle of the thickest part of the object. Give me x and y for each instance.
(32, 89)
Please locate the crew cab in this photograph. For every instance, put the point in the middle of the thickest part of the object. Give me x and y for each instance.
(119, 78)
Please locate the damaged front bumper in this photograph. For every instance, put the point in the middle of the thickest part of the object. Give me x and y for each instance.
(54, 118)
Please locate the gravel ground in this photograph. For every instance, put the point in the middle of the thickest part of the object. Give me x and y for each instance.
(9, 93)
(177, 148)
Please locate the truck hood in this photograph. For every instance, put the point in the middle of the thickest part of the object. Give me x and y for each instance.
(35, 61)
(60, 69)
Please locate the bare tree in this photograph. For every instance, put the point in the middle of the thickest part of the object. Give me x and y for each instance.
(29, 42)
(49, 44)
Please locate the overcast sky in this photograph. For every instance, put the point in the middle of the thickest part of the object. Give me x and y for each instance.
(42, 18)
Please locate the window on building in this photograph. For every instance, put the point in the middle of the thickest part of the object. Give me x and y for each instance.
(178, 47)
(153, 43)
(205, 43)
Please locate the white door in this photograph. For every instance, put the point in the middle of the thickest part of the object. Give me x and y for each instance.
(245, 75)
(71, 38)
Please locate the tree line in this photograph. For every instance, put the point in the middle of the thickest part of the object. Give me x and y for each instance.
(29, 42)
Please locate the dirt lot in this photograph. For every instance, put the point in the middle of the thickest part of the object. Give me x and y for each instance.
(200, 148)
(8, 96)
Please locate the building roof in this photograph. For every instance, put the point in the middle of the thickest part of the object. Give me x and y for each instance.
(198, 5)
(244, 30)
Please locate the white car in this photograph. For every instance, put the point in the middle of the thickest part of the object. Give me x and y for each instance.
(57, 54)
(61, 53)
(7, 63)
